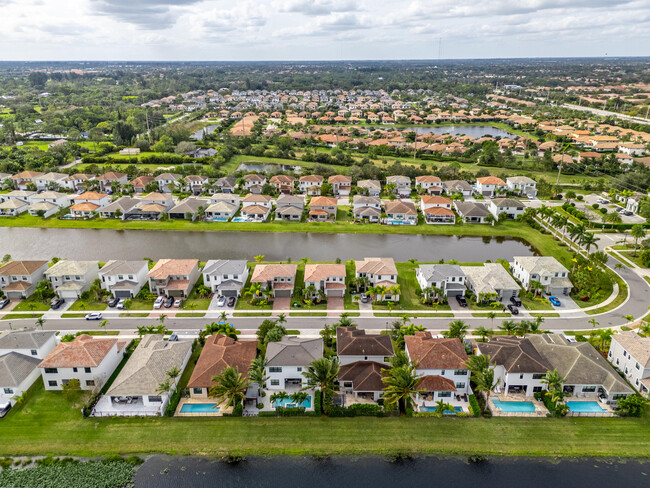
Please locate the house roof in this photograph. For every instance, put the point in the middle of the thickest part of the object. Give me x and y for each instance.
(282, 179)
(123, 204)
(83, 352)
(24, 339)
(252, 197)
(290, 210)
(228, 181)
(167, 267)
(111, 175)
(540, 264)
(367, 212)
(377, 266)
(189, 205)
(435, 200)
(255, 209)
(218, 353)
(364, 200)
(318, 272)
(515, 354)
(90, 195)
(147, 367)
(142, 181)
(431, 353)
(427, 179)
(216, 267)
(339, 179)
(472, 209)
(312, 178)
(364, 375)
(439, 211)
(521, 180)
(398, 179)
(370, 184)
(84, 207)
(435, 383)
(578, 362)
(13, 203)
(254, 177)
(266, 272)
(122, 267)
(321, 201)
(636, 346)
(506, 202)
(489, 278)
(68, 267)
(22, 268)
(440, 272)
(491, 180)
(222, 206)
(456, 185)
(400, 207)
(157, 197)
(16, 368)
(351, 341)
(294, 351)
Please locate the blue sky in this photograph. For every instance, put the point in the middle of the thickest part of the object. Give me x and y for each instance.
(225, 30)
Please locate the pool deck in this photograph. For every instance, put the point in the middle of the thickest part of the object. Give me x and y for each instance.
(540, 409)
(184, 401)
(608, 410)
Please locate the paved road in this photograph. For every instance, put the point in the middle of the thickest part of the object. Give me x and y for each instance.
(607, 113)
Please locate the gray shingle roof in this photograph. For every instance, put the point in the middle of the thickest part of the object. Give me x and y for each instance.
(293, 351)
(440, 272)
(471, 209)
(515, 354)
(115, 267)
(24, 339)
(15, 368)
(225, 267)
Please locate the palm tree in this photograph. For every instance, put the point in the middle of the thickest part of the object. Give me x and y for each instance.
(483, 333)
(399, 359)
(478, 363)
(442, 407)
(400, 384)
(345, 321)
(173, 373)
(554, 381)
(638, 232)
(491, 316)
(509, 326)
(162, 319)
(589, 240)
(259, 258)
(278, 397)
(323, 373)
(164, 387)
(457, 328)
(523, 327)
(486, 383)
(40, 322)
(253, 290)
(299, 397)
(593, 323)
(381, 291)
(257, 372)
(103, 324)
(281, 319)
(223, 317)
(230, 386)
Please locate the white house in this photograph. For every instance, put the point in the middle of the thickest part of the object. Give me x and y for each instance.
(461, 187)
(373, 187)
(254, 182)
(341, 185)
(472, 212)
(447, 277)
(225, 277)
(401, 212)
(13, 207)
(87, 359)
(437, 210)
(432, 185)
(18, 279)
(136, 390)
(489, 186)
(366, 208)
(491, 278)
(17, 373)
(328, 278)
(124, 279)
(50, 181)
(522, 185)
(509, 206)
(167, 182)
(379, 272)
(547, 270)
(310, 184)
(630, 354)
(402, 185)
(71, 278)
(287, 359)
(28, 342)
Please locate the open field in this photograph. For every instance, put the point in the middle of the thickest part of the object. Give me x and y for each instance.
(48, 424)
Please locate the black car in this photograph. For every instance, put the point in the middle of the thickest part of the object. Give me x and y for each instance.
(169, 302)
(231, 301)
(461, 300)
(113, 302)
(513, 310)
(56, 303)
(515, 301)
(3, 302)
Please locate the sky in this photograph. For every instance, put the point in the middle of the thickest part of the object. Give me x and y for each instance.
(246, 30)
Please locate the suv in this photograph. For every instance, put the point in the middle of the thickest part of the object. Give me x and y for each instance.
(159, 302)
(113, 302)
(4, 302)
(56, 303)
(515, 301)
(221, 302)
(364, 298)
(513, 310)
(169, 302)
(121, 304)
(461, 300)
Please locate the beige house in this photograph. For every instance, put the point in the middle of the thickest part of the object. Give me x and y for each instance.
(330, 278)
(173, 277)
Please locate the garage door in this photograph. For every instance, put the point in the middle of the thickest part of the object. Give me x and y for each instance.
(229, 293)
(122, 294)
(282, 293)
(336, 293)
(175, 293)
(454, 293)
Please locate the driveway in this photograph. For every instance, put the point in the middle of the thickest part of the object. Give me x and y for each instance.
(334, 305)
(365, 308)
(281, 303)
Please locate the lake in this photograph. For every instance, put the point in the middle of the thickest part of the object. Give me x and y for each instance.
(468, 130)
(105, 244)
(199, 134)
(375, 472)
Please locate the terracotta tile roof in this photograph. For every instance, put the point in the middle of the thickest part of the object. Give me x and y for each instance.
(436, 383)
(218, 353)
(254, 209)
(317, 272)
(17, 286)
(351, 341)
(314, 178)
(339, 179)
(252, 197)
(84, 207)
(142, 181)
(430, 353)
(434, 200)
(284, 179)
(266, 272)
(111, 175)
(26, 175)
(364, 375)
(90, 195)
(21, 267)
(84, 352)
(166, 267)
(399, 207)
(318, 211)
(378, 266)
(491, 180)
(323, 202)
(427, 179)
(438, 211)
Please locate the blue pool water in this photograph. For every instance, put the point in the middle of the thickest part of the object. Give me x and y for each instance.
(585, 407)
(200, 408)
(218, 219)
(519, 407)
(433, 409)
(239, 219)
(287, 403)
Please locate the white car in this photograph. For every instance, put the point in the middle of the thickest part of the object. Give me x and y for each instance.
(94, 316)
(177, 303)
(222, 301)
(121, 303)
(159, 302)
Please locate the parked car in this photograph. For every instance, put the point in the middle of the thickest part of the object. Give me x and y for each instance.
(177, 303)
(364, 298)
(515, 301)
(461, 300)
(231, 301)
(94, 316)
(56, 303)
(4, 302)
(4, 409)
(113, 302)
(173, 337)
(513, 310)
(159, 302)
(169, 302)
(221, 301)
(555, 301)
(627, 213)
(120, 304)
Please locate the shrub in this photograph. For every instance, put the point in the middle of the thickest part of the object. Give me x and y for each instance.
(238, 410)
(474, 407)
(365, 410)
(317, 397)
(173, 403)
(290, 412)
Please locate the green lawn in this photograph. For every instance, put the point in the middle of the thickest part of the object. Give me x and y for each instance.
(82, 305)
(140, 304)
(535, 303)
(31, 304)
(50, 425)
(16, 316)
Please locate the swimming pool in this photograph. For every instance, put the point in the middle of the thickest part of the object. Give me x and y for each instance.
(218, 219)
(287, 403)
(446, 412)
(400, 222)
(240, 219)
(585, 407)
(518, 407)
(200, 408)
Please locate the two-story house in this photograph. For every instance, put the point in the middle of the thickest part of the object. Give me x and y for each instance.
(287, 359)
(400, 212)
(226, 184)
(328, 278)
(71, 278)
(522, 185)
(432, 185)
(226, 277)
(446, 277)
(283, 183)
(366, 208)
(47, 203)
(310, 184)
(25, 178)
(254, 182)
(489, 186)
(546, 270)
(354, 345)
(173, 277)
(379, 272)
(372, 187)
(322, 208)
(28, 342)
(341, 185)
(108, 181)
(87, 359)
(289, 207)
(76, 181)
(50, 181)
(437, 210)
(279, 278)
(123, 279)
(401, 184)
(491, 279)
(18, 279)
(509, 207)
(630, 354)
(167, 182)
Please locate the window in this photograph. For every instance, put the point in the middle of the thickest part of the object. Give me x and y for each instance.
(155, 399)
(34, 352)
(74, 370)
(90, 382)
(9, 391)
(275, 382)
(347, 384)
(460, 372)
(536, 389)
(588, 389)
(444, 394)
(460, 385)
(197, 391)
(51, 370)
(275, 369)
(637, 366)
(52, 383)
(538, 376)
(618, 396)
(87, 370)
(521, 376)
(299, 368)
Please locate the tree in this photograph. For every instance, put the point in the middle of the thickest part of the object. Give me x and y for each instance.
(589, 240)
(554, 383)
(259, 258)
(6, 258)
(483, 333)
(486, 383)
(164, 387)
(173, 373)
(323, 373)
(457, 328)
(400, 384)
(631, 406)
(230, 387)
(257, 372)
(275, 334)
(40, 322)
(442, 407)
(638, 232)
(264, 328)
(299, 397)
(278, 397)
(70, 388)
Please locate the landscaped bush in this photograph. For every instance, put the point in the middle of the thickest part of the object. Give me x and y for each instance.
(365, 410)
(290, 412)
(317, 397)
(474, 406)
(238, 410)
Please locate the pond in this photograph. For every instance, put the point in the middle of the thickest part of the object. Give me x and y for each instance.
(199, 134)
(376, 472)
(476, 131)
(105, 244)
